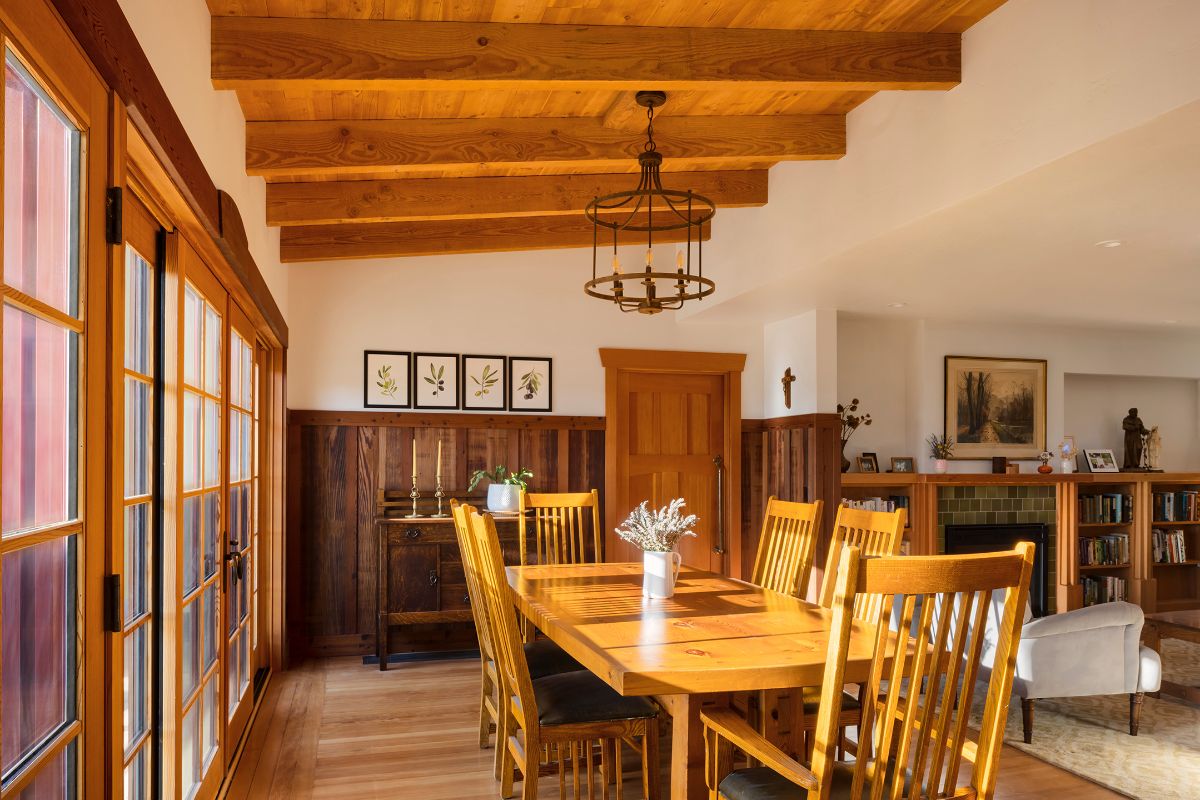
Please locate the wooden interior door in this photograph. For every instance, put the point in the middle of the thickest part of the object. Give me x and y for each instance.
(673, 430)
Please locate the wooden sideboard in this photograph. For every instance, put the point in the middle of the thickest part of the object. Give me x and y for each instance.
(420, 573)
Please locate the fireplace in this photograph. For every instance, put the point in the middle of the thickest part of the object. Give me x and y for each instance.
(990, 538)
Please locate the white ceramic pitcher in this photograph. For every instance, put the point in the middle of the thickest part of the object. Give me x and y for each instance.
(660, 571)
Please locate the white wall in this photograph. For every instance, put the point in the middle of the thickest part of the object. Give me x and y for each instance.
(871, 356)
(808, 345)
(175, 36)
(523, 304)
(1094, 406)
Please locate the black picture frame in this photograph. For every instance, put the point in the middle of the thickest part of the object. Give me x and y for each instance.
(522, 404)
(466, 396)
(406, 378)
(451, 393)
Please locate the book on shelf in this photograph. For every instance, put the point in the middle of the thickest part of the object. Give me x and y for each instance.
(1100, 550)
(1108, 508)
(1102, 589)
(1168, 546)
(891, 503)
(1179, 506)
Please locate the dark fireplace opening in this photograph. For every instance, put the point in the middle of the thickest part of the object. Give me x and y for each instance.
(991, 538)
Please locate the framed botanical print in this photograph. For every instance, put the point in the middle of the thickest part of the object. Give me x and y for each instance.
(435, 380)
(996, 407)
(483, 383)
(386, 379)
(530, 384)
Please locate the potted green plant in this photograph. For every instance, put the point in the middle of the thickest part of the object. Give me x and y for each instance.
(941, 448)
(504, 491)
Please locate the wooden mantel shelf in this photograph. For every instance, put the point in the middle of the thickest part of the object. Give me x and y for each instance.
(860, 479)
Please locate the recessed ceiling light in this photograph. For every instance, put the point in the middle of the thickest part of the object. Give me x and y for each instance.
(897, 305)
(1110, 243)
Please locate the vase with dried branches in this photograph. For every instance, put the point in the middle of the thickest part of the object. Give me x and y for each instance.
(851, 421)
(656, 534)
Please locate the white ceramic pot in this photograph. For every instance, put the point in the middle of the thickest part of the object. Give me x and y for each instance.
(659, 573)
(504, 497)
(940, 466)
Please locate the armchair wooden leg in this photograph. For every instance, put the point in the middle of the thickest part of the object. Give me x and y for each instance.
(1027, 720)
(1135, 712)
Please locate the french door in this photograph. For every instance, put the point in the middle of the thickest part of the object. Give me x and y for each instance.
(52, 330)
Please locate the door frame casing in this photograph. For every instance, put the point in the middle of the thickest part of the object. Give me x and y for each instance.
(727, 366)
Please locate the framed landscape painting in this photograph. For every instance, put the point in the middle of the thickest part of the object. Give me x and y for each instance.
(484, 387)
(435, 380)
(996, 406)
(529, 384)
(385, 379)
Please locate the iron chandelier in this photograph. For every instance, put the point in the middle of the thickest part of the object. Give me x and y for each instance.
(641, 213)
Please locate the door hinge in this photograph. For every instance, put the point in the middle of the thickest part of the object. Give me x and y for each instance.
(113, 233)
(112, 603)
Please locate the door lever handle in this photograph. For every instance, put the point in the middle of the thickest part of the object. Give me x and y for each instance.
(719, 547)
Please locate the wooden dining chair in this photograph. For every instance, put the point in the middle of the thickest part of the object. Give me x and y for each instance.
(787, 546)
(557, 525)
(570, 715)
(543, 657)
(925, 639)
(874, 533)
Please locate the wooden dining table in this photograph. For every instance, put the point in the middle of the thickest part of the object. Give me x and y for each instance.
(715, 636)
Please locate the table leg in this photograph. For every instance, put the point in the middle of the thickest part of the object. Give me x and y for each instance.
(687, 742)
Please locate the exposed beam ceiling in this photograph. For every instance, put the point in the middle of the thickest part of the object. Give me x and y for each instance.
(444, 237)
(387, 129)
(347, 54)
(327, 202)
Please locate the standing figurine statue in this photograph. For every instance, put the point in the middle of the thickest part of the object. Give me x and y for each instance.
(1134, 430)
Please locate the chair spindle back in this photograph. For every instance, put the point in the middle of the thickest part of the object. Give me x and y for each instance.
(559, 524)
(875, 534)
(787, 546)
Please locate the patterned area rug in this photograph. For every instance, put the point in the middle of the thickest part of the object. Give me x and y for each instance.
(1089, 736)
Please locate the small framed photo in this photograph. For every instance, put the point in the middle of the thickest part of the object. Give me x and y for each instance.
(435, 380)
(868, 462)
(386, 379)
(483, 383)
(1099, 461)
(903, 464)
(530, 384)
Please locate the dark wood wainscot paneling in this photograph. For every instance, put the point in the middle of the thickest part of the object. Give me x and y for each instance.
(792, 458)
(339, 460)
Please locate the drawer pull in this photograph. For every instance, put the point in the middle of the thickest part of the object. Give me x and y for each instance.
(433, 577)
(413, 533)
(467, 599)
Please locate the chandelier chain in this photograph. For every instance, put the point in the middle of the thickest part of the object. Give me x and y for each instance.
(650, 145)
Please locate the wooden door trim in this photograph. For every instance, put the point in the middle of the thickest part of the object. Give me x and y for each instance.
(673, 361)
(727, 365)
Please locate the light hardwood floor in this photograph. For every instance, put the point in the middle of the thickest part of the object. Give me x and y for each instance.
(338, 729)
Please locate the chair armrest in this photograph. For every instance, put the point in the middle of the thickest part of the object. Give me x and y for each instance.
(734, 729)
(1103, 615)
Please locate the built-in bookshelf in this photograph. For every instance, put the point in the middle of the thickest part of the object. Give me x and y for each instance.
(1105, 532)
(885, 491)
(1174, 540)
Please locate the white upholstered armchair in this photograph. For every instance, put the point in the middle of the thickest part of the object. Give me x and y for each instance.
(1090, 651)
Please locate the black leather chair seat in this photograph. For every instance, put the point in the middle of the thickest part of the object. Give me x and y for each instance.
(812, 702)
(575, 697)
(762, 783)
(546, 658)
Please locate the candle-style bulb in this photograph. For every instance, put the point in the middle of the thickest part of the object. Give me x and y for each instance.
(649, 256)
(616, 264)
(679, 259)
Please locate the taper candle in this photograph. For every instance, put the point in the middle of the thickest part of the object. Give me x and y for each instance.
(414, 464)
(439, 462)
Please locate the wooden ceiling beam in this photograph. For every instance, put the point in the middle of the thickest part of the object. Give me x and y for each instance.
(332, 202)
(291, 53)
(443, 237)
(418, 145)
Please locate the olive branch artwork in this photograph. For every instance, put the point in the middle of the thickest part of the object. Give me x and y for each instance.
(436, 379)
(386, 383)
(531, 383)
(485, 381)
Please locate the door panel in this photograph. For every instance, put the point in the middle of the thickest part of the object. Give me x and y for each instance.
(671, 432)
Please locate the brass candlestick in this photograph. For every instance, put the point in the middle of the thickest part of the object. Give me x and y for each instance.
(439, 494)
(415, 495)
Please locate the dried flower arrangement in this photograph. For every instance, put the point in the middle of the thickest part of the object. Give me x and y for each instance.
(940, 447)
(851, 419)
(657, 531)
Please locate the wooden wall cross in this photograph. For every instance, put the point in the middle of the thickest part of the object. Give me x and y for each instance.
(787, 380)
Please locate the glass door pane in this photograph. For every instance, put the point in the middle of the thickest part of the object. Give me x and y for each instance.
(40, 520)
